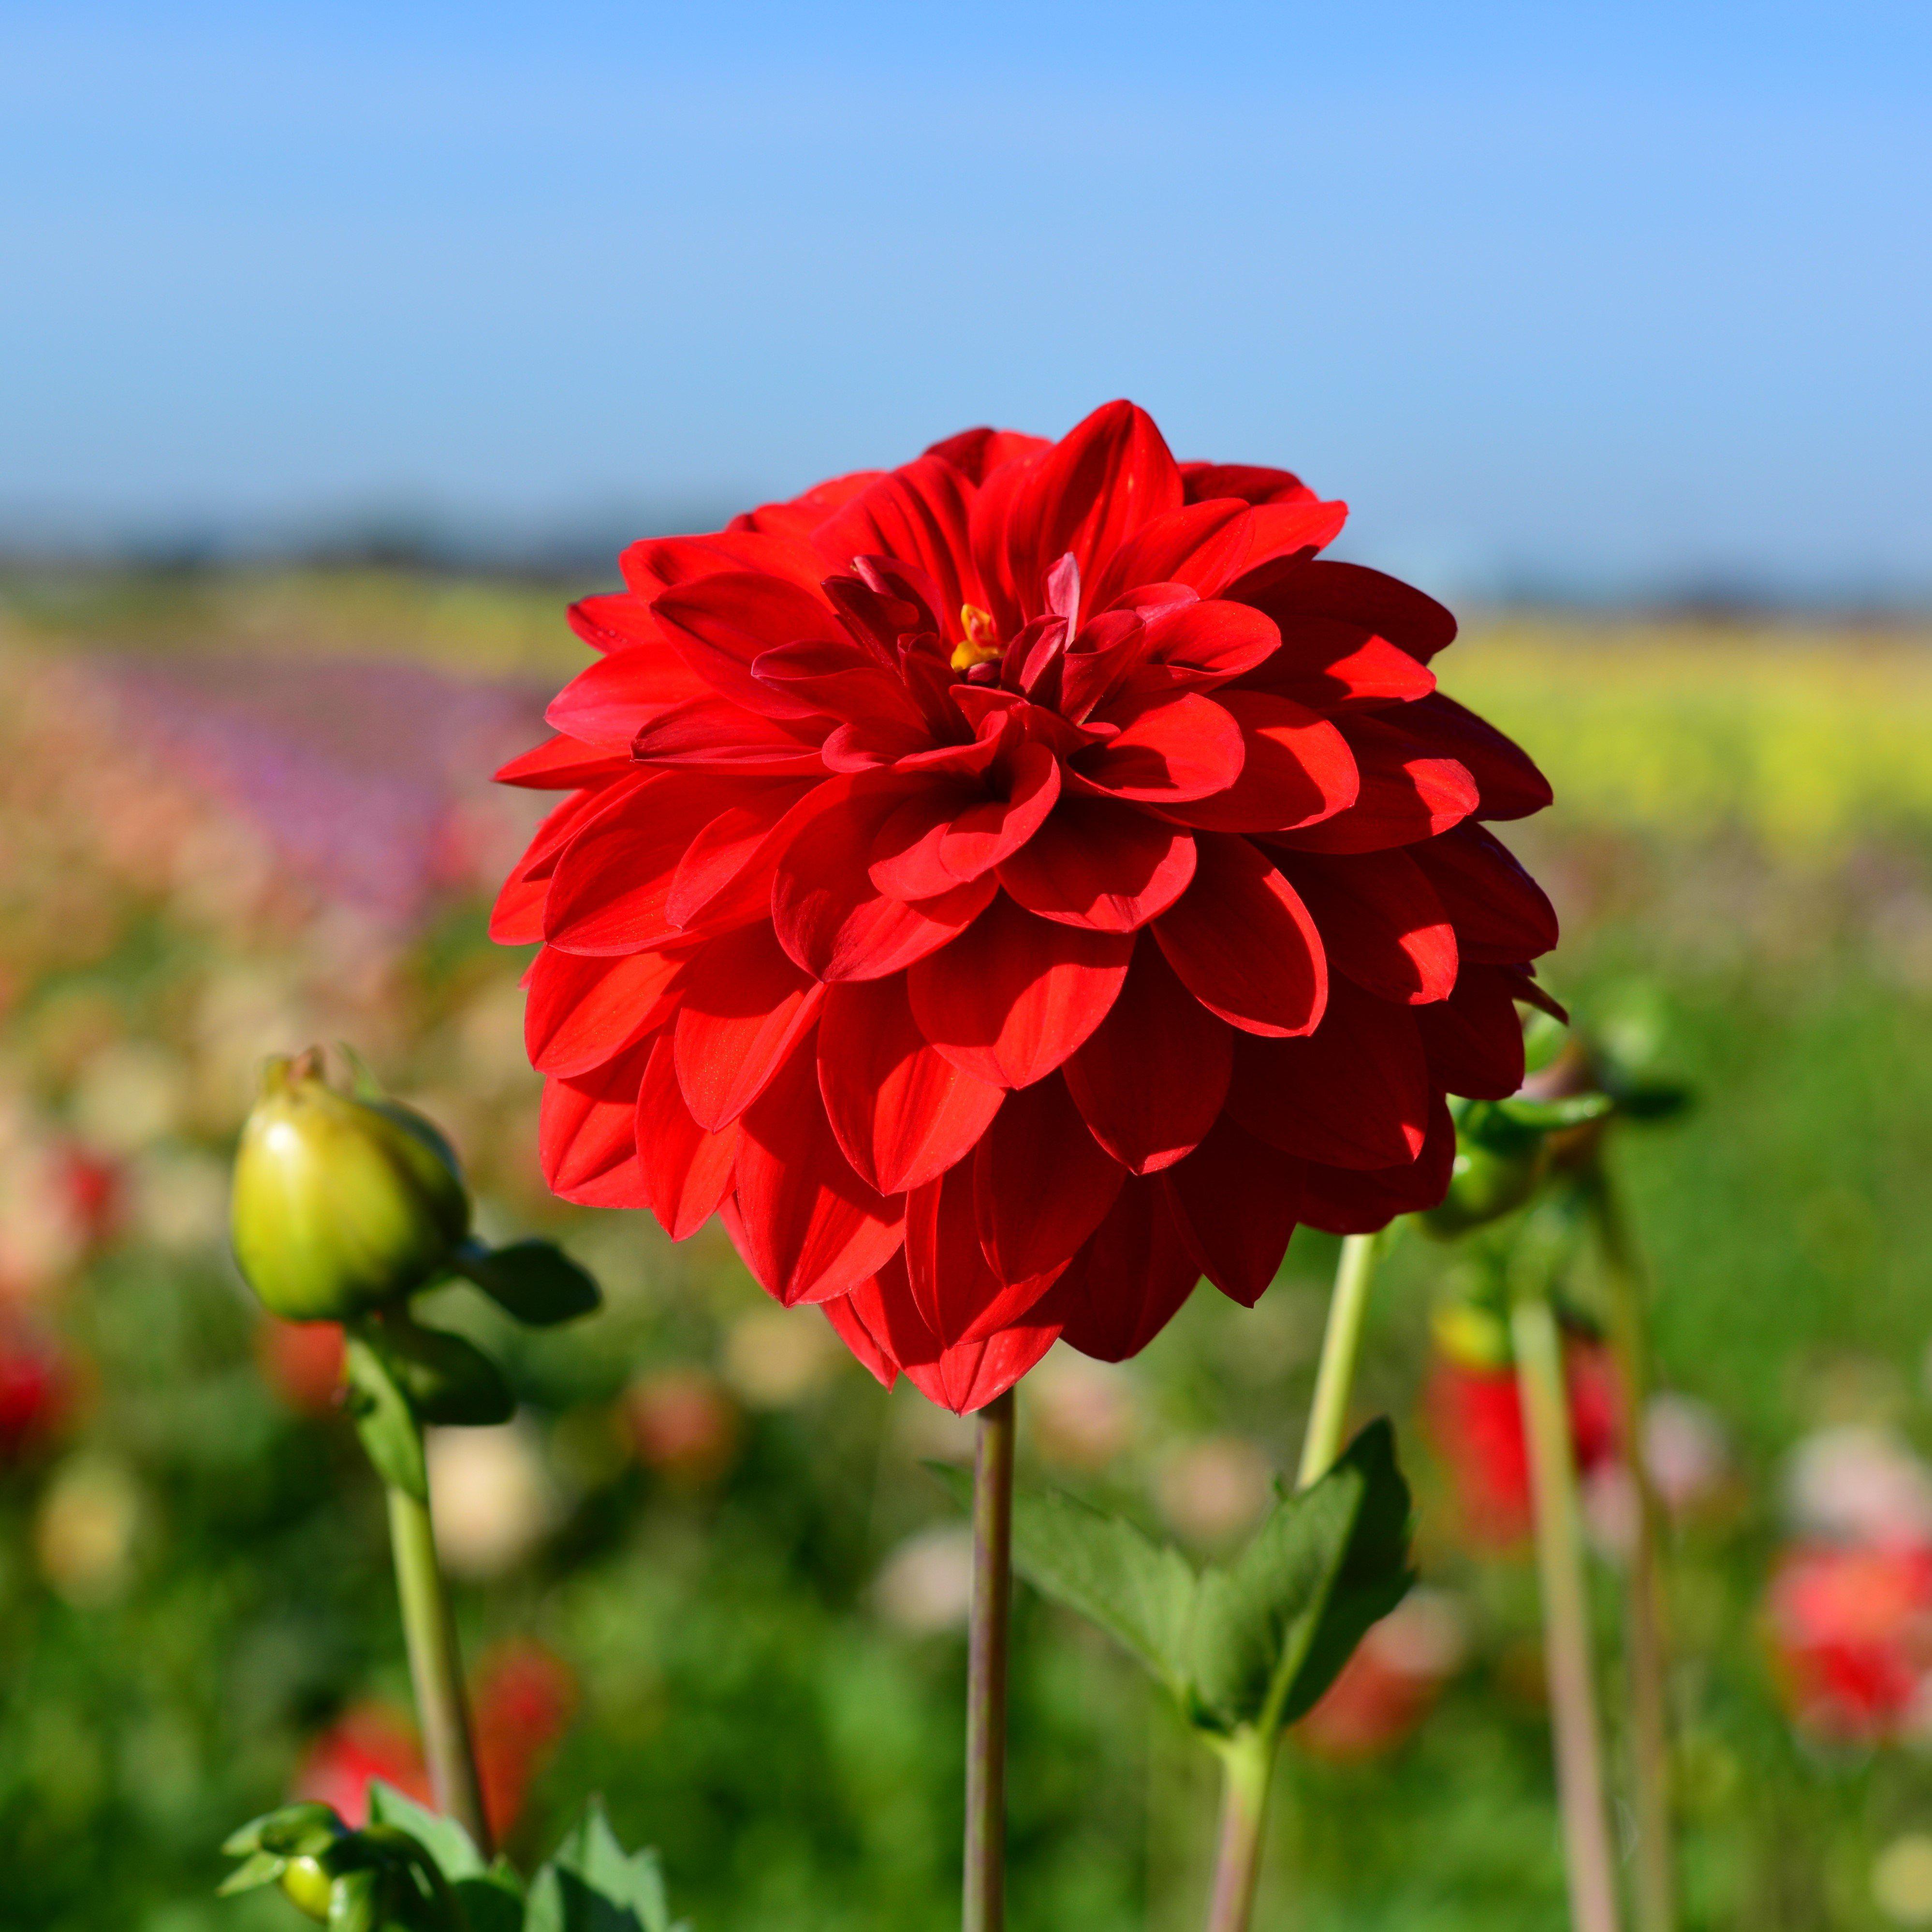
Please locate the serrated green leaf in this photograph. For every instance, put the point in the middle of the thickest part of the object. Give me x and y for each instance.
(443, 1839)
(1272, 1628)
(492, 1902)
(592, 1884)
(261, 1868)
(390, 1433)
(534, 1281)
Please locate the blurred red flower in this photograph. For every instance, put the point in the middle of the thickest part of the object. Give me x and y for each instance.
(301, 1361)
(36, 1388)
(1475, 1416)
(1009, 886)
(1851, 1630)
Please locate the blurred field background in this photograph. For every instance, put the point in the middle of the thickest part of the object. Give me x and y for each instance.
(703, 1572)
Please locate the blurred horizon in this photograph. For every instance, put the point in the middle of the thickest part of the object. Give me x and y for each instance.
(1614, 305)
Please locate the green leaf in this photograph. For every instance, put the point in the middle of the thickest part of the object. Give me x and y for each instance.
(446, 1378)
(1272, 1627)
(536, 1281)
(446, 1840)
(492, 1902)
(1548, 1116)
(1142, 1593)
(391, 1434)
(355, 1901)
(593, 1884)
(261, 1868)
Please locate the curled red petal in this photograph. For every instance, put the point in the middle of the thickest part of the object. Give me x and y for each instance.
(1151, 1081)
(587, 1135)
(1355, 1093)
(562, 764)
(1236, 1201)
(1500, 914)
(847, 1314)
(902, 1112)
(745, 1004)
(808, 1228)
(988, 831)
(1474, 1038)
(1382, 923)
(580, 1012)
(1296, 769)
(725, 848)
(712, 734)
(1333, 665)
(841, 680)
(828, 914)
(1243, 942)
(1404, 796)
(1345, 1200)
(1213, 640)
(1508, 781)
(1251, 483)
(606, 704)
(1129, 1279)
(1041, 1182)
(1013, 996)
(959, 1294)
(686, 1172)
(1094, 864)
(721, 625)
(1165, 752)
(919, 514)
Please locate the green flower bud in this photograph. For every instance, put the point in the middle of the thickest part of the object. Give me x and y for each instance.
(307, 1887)
(1503, 1149)
(341, 1205)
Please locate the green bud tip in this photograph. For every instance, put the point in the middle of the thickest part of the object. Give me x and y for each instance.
(340, 1205)
(307, 1887)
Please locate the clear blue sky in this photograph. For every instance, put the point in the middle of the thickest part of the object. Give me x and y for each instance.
(1632, 295)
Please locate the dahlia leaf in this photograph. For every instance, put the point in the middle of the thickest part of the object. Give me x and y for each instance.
(445, 1841)
(593, 1884)
(1275, 1625)
(534, 1281)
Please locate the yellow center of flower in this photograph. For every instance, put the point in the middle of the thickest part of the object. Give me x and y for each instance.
(982, 645)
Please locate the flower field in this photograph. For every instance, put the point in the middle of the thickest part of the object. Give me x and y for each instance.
(704, 1571)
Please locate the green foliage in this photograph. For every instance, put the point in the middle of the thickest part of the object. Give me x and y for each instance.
(1252, 1641)
(536, 1281)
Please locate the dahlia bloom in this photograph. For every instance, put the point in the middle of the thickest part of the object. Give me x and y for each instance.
(1009, 887)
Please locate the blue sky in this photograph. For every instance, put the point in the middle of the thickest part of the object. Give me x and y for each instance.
(1629, 297)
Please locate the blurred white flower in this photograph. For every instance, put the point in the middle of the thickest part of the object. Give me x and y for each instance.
(130, 1094)
(1684, 1450)
(1081, 1411)
(1214, 1489)
(774, 1356)
(926, 1585)
(492, 1496)
(1901, 1879)
(1856, 1484)
(84, 1530)
(181, 1199)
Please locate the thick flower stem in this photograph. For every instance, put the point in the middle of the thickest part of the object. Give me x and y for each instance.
(1248, 1760)
(1566, 1624)
(985, 1908)
(1341, 1343)
(436, 1670)
(1647, 1653)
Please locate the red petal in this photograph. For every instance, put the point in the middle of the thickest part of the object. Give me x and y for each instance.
(841, 680)
(1382, 605)
(1041, 1182)
(1250, 481)
(1474, 1038)
(1204, 545)
(959, 1296)
(969, 1375)
(686, 1172)
(1354, 1094)
(587, 1135)
(711, 734)
(1013, 996)
(562, 765)
(1334, 665)
(1500, 913)
(724, 851)
(808, 1228)
(1344, 1201)
(1151, 1081)
(517, 917)
(918, 515)
(1243, 942)
(847, 1318)
(611, 886)
(1404, 798)
(1094, 864)
(1511, 785)
(903, 1112)
(621, 621)
(1215, 640)
(830, 917)
(605, 705)
(581, 1012)
(1180, 748)
(1235, 1200)
(1129, 1280)
(659, 563)
(721, 624)
(985, 834)
(1296, 770)
(744, 1005)
(1381, 923)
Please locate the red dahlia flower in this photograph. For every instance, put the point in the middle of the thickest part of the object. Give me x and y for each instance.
(1010, 886)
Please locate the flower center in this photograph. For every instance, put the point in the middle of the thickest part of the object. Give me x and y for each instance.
(982, 645)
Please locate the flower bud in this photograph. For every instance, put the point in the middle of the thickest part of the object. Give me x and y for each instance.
(307, 1887)
(340, 1204)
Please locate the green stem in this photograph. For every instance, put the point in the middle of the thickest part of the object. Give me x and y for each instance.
(1341, 1344)
(1248, 1762)
(436, 1670)
(984, 1907)
(1248, 1758)
(1647, 1651)
(1566, 1625)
